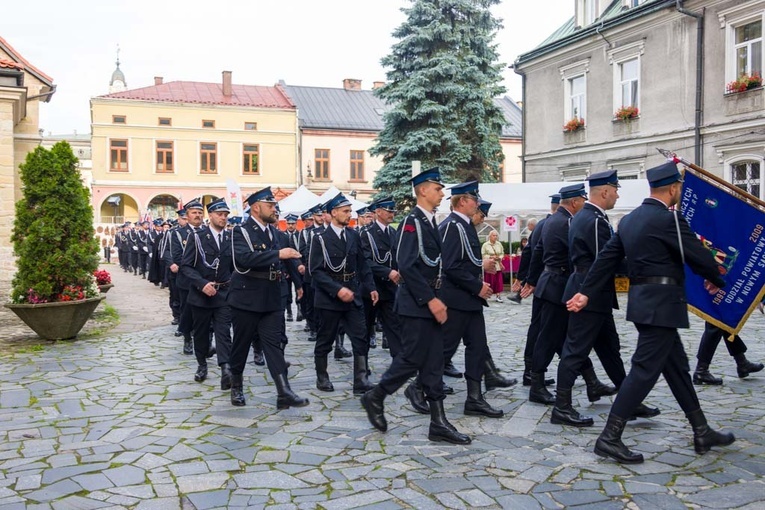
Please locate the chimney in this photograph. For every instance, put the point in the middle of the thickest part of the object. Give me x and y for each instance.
(377, 84)
(227, 83)
(351, 84)
(157, 80)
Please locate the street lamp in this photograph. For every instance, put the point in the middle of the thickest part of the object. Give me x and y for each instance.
(308, 166)
(353, 194)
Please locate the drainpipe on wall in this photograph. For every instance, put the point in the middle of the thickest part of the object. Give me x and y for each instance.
(523, 120)
(698, 154)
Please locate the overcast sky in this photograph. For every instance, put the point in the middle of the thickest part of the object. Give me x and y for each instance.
(303, 42)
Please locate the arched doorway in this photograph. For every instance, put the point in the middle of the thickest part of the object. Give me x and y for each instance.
(163, 206)
(118, 208)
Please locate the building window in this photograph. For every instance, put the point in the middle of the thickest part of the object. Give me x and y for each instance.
(747, 175)
(165, 157)
(208, 158)
(119, 119)
(251, 163)
(586, 12)
(576, 102)
(747, 48)
(629, 82)
(208, 123)
(628, 169)
(574, 173)
(357, 165)
(250, 126)
(321, 162)
(119, 156)
(165, 121)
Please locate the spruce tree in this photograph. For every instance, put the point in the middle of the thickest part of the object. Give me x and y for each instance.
(443, 78)
(53, 230)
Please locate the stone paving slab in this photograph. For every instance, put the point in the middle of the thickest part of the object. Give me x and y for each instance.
(117, 421)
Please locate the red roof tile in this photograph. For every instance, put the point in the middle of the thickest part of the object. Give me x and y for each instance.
(10, 64)
(24, 63)
(208, 93)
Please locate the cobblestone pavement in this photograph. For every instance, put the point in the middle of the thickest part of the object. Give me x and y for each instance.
(118, 422)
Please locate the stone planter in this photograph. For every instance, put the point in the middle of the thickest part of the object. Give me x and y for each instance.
(578, 136)
(56, 321)
(105, 287)
(748, 101)
(626, 127)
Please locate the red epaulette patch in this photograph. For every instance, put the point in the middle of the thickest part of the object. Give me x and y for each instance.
(409, 228)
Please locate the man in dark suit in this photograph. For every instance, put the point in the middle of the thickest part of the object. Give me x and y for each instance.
(206, 265)
(290, 237)
(301, 241)
(255, 298)
(536, 304)
(143, 247)
(465, 293)
(194, 215)
(339, 272)
(548, 274)
(311, 318)
(594, 326)
(175, 241)
(422, 314)
(658, 243)
(379, 243)
(364, 219)
(132, 237)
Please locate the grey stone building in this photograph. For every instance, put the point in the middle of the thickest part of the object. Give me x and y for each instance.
(673, 62)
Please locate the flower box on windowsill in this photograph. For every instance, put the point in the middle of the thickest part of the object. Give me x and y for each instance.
(747, 101)
(626, 127)
(576, 136)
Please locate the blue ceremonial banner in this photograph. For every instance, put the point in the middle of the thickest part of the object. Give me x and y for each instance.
(732, 226)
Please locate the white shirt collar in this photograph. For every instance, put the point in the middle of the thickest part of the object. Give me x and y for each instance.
(463, 216)
(264, 228)
(337, 230)
(384, 228)
(596, 206)
(429, 215)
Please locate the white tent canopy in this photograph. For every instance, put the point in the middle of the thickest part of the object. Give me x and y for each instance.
(299, 201)
(333, 191)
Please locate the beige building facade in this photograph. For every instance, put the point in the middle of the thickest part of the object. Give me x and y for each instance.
(156, 147)
(22, 88)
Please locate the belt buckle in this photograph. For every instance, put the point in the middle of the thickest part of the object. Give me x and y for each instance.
(347, 277)
(273, 276)
(437, 283)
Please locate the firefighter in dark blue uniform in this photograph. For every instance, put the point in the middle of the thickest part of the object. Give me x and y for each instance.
(464, 292)
(548, 275)
(594, 326)
(422, 314)
(291, 233)
(301, 242)
(308, 289)
(255, 298)
(658, 243)
(710, 339)
(175, 240)
(177, 248)
(206, 265)
(379, 243)
(340, 274)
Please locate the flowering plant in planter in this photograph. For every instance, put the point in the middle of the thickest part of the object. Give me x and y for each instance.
(744, 82)
(102, 277)
(627, 113)
(53, 240)
(573, 125)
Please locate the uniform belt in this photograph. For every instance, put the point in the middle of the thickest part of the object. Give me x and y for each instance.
(273, 276)
(581, 269)
(653, 280)
(557, 270)
(342, 277)
(220, 285)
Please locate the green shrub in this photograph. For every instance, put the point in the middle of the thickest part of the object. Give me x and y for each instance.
(53, 230)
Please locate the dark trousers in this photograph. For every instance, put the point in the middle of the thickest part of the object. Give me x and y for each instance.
(142, 258)
(370, 317)
(423, 351)
(585, 331)
(107, 254)
(134, 261)
(309, 312)
(659, 351)
(533, 333)
(186, 323)
(122, 256)
(470, 327)
(329, 326)
(221, 322)
(264, 326)
(710, 340)
(175, 297)
(553, 327)
(391, 325)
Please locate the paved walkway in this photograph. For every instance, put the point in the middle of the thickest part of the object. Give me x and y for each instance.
(118, 422)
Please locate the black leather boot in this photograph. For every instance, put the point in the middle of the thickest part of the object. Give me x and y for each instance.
(476, 405)
(609, 443)
(385, 342)
(416, 397)
(538, 391)
(527, 373)
(299, 317)
(188, 345)
(322, 377)
(211, 349)
(564, 413)
(361, 382)
(441, 429)
(451, 371)
(237, 390)
(289, 314)
(287, 398)
(595, 388)
(643, 411)
(744, 367)
(225, 376)
(702, 375)
(373, 341)
(493, 378)
(704, 437)
(340, 351)
(373, 403)
(201, 373)
(257, 357)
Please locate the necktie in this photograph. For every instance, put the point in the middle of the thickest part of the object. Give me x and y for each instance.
(433, 221)
(270, 235)
(220, 239)
(389, 231)
(342, 235)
